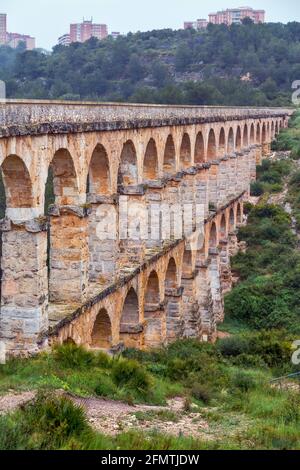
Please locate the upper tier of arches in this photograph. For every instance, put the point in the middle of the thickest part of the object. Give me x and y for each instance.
(100, 163)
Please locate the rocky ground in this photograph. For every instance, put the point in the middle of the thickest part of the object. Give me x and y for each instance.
(112, 417)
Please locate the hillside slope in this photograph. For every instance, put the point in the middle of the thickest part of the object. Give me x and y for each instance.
(242, 65)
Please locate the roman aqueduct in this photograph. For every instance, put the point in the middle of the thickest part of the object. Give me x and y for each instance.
(63, 281)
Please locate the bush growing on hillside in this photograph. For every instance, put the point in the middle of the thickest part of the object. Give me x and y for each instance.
(47, 423)
(129, 373)
(70, 355)
(233, 346)
(256, 189)
(243, 381)
(202, 393)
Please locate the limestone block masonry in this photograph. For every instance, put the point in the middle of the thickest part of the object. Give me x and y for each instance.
(135, 248)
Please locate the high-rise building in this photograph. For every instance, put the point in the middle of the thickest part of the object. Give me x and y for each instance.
(3, 30)
(199, 24)
(81, 32)
(237, 15)
(14, 39)
(64, 40)
(115, 34)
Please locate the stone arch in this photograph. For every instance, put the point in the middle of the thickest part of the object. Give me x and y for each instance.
(238, 139)
(185, 151)
(245, 136)
(62, 178)
(99, 172)
(252, 134)
(211, 146)
(69, 341)
(169, 156)
(174, 322)
(101, 336)
(128, 172)
(187, 264)
(130, 311)
(17, 183)
(222, 143)
(155, 325)
(239, 214)
(223, 227)
(264, 133)
(276, 127)
(230, 144)
(151, 161)
(272, 130)
(258, 135)
(152, 290)
(231, 220)
(171, 275)
(199, 148)
(130, 330)
(213, 236)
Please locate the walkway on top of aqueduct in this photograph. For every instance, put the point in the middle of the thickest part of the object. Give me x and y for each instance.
(101, 293)
(31, 117)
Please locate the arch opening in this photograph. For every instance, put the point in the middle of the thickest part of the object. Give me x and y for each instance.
(128, 173)
(99, 174)
(171, 275)
(222, 143)
(169, 156)
(223, 233)
(199, 148)
(245, 136)
(185, 151)
(102, 331)
(211, 147)
(252, 134)
(151, 161)
(62, 184)
(239, 218)
(264, 134)
(152, 290)
(258, 139)
(230, 145)
(17, 183)
(213, 236)
(231, 220)
(238, 139)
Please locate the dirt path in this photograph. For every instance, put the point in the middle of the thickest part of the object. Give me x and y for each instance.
(12, 401)
(111, 417)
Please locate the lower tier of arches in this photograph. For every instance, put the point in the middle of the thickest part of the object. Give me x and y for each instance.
(179, 293)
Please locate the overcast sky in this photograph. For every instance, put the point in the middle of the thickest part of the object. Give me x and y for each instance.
(49, 19)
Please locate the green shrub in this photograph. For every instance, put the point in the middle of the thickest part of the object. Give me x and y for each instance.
(47, 423)
(256, 189)
(102, 360)
(243, 381)
(202, 393)
(70, 355)
(233, 346)
(131, 374)
(105, 387)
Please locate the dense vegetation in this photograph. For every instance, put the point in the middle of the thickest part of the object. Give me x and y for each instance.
(228, 384)
(165, 66)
